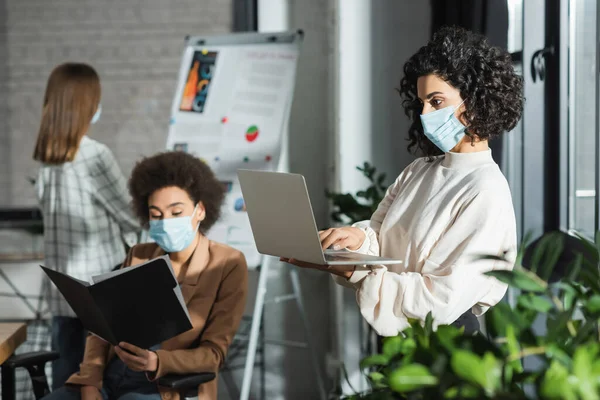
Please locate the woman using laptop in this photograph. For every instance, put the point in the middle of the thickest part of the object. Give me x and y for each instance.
(449, 207)
(179, 198)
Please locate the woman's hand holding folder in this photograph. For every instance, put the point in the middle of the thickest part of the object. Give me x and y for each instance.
(137, 359)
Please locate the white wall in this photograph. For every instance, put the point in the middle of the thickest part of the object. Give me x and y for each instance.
(371, 125)
(135, 47)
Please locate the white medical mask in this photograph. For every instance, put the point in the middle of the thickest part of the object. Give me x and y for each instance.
(174, 234)
(442, 127)
(96, 116)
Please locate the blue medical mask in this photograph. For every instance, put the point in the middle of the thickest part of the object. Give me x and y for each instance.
(442, 127)
(174, 234)
(96, 116)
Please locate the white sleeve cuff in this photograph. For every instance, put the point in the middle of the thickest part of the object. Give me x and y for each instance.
(357, 277)
(353, 282)
(370, 245)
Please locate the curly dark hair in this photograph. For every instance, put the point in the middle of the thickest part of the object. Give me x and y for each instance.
(176, 168)
(484, 75)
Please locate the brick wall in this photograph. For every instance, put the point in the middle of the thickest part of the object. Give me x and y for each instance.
(135, 45)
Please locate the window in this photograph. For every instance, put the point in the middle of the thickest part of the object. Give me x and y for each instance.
(582, 116)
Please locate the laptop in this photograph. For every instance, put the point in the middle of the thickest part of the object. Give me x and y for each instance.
(283, 223)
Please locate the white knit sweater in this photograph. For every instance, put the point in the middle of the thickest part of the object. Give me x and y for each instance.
(438, 217)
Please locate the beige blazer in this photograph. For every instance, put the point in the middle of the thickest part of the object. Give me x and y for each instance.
(214, 289)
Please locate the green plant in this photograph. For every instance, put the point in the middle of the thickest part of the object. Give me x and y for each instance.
(350, 208)
(424, 363)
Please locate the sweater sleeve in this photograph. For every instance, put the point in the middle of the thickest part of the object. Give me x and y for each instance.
(110, 190)
(371, 229)
(451, 280)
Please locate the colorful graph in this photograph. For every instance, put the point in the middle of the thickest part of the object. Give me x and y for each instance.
(252, 133)
(239, 205)
(200, 75)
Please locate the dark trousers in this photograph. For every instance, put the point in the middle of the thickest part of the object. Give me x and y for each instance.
(119, 382)
(469, 321)
(68, 339)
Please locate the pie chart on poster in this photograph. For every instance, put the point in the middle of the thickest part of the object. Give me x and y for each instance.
(252, 133)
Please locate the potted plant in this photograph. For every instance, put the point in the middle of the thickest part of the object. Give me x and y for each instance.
(350, 208)
(442, 363)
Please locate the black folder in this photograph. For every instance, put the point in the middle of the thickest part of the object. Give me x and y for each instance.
(142, 305)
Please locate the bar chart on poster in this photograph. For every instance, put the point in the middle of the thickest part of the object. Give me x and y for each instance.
(230, 109)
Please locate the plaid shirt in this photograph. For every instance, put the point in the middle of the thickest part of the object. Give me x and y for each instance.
(86, 210)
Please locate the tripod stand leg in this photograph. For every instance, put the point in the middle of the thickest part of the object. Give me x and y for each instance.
(255, 328)
(307, 333)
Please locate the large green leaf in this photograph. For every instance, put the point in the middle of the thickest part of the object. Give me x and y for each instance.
(501, 315)
(569, 287)
(582, 368)
(592, 248)
(556, 384)
(569, 298)
(513, 349)
(410, 377)
(555, 353)
(378, 379)
(596, 368)
(592, 255)
(575, 268)
(557, 325)
(446, 335)
(374, 360)
(520, 279)
(408, 346)
(392, 346)
(586, 331)
(464, 391)
(537, 303)
(551, 253)
(493, 373)
(521, 249)
(545, 254)
(590, 279)
(592, 305)
(428, 326)
(469, 367)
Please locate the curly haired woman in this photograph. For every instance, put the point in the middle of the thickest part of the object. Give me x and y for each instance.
(178, 196)
(448, 207)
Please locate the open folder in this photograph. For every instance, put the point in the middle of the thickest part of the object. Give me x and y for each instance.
(142, 305)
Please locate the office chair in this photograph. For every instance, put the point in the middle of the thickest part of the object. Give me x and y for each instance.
(35, 363)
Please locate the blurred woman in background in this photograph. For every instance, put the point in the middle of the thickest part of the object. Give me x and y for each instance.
(84, 201)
